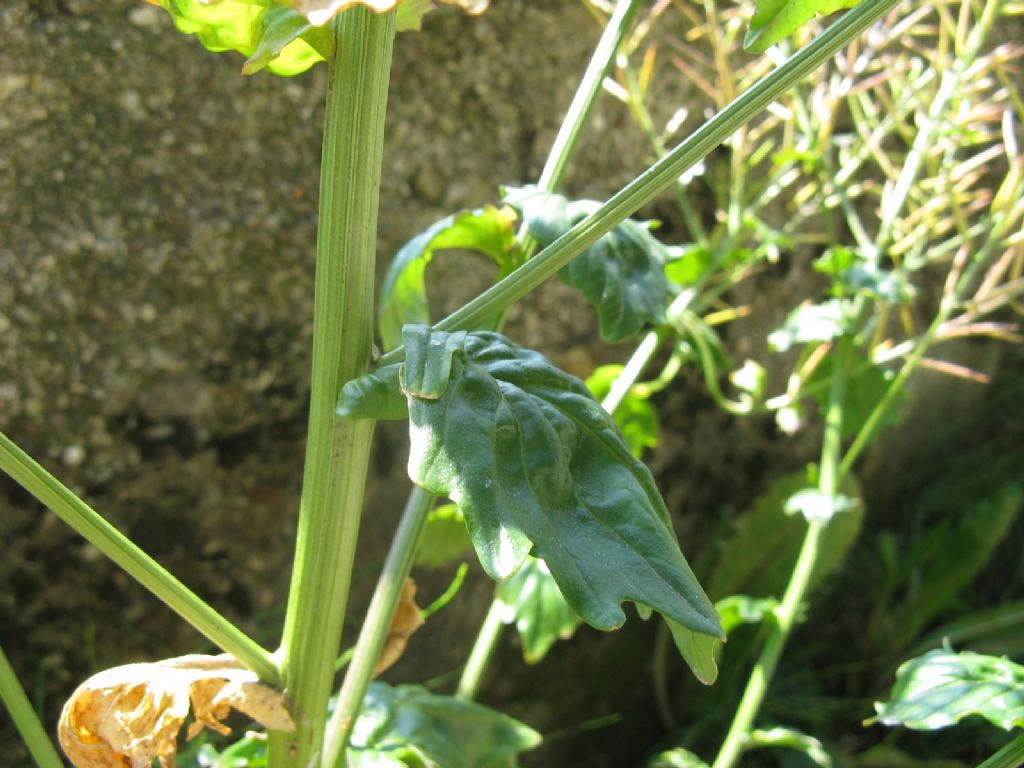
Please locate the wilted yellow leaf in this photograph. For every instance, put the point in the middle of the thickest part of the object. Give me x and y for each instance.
(407, 619)
(126, 716)
(319, 12)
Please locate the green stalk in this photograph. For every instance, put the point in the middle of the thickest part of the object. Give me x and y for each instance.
(663, 173)
(403, 548)
(483, 649)
(787, 613)
(25, 719)
(337, 451)
(376, 625)
(31, 476)
(1010, 756)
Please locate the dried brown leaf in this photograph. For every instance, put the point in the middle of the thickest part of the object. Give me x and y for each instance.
(126, 716)
(407, 619)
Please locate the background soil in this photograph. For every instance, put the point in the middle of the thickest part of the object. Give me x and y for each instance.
(157, 228)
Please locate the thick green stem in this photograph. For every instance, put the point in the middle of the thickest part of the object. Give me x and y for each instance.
(787, 613)
(483, 650)
(111, 542)
(25, 719)
(1010, 756)
(337, 451)
(376, 625)
(663, 173)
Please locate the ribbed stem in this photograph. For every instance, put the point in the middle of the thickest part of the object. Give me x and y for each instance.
(337, 451)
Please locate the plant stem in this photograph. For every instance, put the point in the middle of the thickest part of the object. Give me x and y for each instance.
(483, 650)
(1010, 756)
(337, 450)
(662, 174)
(30, 475)
(376, 625)
(787, 612)
(25, 719)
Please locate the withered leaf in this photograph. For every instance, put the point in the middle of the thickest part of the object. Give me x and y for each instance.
(407, 619)
(127, 716)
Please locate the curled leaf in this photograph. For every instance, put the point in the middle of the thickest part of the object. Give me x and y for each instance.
(129, 716)
(407, 619)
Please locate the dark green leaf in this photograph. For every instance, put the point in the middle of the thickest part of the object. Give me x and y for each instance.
(409, 726)
(635, 416)
(941, 688)
(775, 20)
(269, 35)
(376, 395)
(622, 274)
(758, 558)
(537, 466)
(445, 538)
(403, 294)
(537, 608)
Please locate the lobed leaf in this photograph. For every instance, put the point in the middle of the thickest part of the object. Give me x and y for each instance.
(409, 726)
(942, 687)
(537, 467)
(622, 274)
(538, 610)
(403, 293)
(775, 20)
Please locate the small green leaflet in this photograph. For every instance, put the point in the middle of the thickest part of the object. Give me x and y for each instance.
(403, 294)
(537, 467)
(775, 20)
(622, 274)
(408, 725)
(444, 538)
(635, 416)
(537, 608)
(942, 687)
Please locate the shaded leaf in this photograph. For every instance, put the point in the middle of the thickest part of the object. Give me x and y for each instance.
(444, 539)
(403, 293)
(537, 609)
(698, 651)
(636, 417)
(407, 619)
(409, 726)
(942, 687)
(375, 395)
(775, 20)
(131, 715)
(622, 274)
(536, 466)
(758, 557)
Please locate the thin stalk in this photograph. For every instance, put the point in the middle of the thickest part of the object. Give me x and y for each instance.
(31, 476)
(403, 547)
(483, 649)
(663, 173)
(787, 612)
(25, 719)
(1010, 756)
(376, 625)
(337, 450)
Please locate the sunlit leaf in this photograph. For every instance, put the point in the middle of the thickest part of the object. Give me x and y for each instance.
(131, 715)
(445, 538)
(536, 466)
(537, 608)
(736, 610)
(622, 274)
(775, 20)
(403, 293)
(808, 323)
(409, 726)
(942, 687)
(635, 415)
(817, 507)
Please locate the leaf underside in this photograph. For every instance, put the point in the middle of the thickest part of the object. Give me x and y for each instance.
(537, 467)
